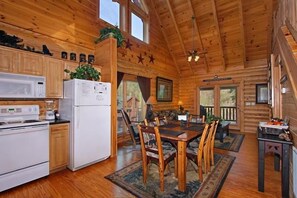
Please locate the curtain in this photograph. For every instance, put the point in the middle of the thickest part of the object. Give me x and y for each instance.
(120, 76)
(145, 87)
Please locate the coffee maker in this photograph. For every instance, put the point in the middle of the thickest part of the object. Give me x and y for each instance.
(50, 113)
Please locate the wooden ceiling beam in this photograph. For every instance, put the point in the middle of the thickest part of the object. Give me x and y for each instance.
(241, 19)
(178, 33)
(165, 36)
(269, 5)
(196, 27)
(215, 16)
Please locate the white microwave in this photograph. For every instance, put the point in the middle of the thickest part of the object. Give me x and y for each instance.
(21, 86)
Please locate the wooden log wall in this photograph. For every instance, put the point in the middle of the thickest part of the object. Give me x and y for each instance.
(286, 14)
(72, 26)
(285, 45)
(246, 80)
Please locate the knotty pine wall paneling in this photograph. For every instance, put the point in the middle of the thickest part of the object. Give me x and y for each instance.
(72, 26)
(246, 80)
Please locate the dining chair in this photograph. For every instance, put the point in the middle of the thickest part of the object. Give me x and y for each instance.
(196, 118)
(130, 126)
(212, 142)
(158, 121)
(197, 154)
(209, 145)
(153, 151)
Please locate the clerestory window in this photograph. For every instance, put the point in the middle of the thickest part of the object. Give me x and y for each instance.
(110, 12)
(129, 15)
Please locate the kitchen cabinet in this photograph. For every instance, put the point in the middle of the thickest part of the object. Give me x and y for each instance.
(30, 63)
(59, 146)
(71, 66)
(9, 59)
(54, 77)
(22, 62)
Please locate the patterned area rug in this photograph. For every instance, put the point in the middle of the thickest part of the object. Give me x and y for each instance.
(130, 178)
(231, 142)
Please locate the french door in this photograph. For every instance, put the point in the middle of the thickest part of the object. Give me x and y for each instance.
(130, 98)
(220, 100)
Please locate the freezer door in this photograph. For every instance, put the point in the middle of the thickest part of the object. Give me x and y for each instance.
(91, 93)
(91, 135)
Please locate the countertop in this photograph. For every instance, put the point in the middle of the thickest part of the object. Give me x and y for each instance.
(60, 121)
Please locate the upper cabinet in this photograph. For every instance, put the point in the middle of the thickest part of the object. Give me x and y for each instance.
(9, 59)
(30, 63)
(22, 62)
(54, 73)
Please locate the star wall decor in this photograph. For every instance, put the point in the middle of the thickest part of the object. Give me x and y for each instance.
(128, 44)
(123, 54)
(140, 59)
(152, 59)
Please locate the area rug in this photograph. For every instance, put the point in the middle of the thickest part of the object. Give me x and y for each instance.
(130, 178)
(231, 142)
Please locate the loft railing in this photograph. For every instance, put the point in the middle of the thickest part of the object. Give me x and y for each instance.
(227, 113)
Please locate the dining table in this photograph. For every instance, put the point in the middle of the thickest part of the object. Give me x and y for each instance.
(180, 134)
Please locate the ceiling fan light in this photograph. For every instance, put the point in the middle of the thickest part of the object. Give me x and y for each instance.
(196, 58)
(189, 58)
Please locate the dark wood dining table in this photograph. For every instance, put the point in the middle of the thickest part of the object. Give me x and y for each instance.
(180, 136)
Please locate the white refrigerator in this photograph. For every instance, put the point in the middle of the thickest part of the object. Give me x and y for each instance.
(87, 105)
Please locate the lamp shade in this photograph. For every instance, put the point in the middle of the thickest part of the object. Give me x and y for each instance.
(180, 102)
(151, 100)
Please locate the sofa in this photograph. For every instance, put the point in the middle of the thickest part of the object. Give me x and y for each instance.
(170, 114)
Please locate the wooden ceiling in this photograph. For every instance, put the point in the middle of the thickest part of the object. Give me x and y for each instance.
(231, 32)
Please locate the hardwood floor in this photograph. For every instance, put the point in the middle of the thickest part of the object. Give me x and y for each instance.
(242, 179)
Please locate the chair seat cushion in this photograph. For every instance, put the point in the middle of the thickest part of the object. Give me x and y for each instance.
(192, 150)
(194, 143)
(168, 150)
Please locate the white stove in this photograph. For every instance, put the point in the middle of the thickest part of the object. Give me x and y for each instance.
(24, 145)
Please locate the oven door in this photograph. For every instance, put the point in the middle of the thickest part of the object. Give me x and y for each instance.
(23, 147)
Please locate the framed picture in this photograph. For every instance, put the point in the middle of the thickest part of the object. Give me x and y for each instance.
(164, 89)
(261, 93)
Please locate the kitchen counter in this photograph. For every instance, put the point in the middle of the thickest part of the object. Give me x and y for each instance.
(60, 121)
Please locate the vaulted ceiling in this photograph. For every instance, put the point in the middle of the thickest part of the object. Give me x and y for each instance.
(229, 34)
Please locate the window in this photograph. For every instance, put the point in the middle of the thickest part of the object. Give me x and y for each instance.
(137, 27)
(110, 12)
(121, 13)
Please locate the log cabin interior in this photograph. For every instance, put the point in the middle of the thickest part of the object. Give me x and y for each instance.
(240, 44)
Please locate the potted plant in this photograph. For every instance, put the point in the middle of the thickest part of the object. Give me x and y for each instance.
(114, 32)
(210, 118)
(85, 71)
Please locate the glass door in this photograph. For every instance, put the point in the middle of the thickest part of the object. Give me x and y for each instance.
(228, 104)
(130, 98)
(219, 100)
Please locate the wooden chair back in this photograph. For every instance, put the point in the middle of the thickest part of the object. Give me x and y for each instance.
(208, 145)
(216, 123)
(133, 134)
(196, 118)
(198, 154)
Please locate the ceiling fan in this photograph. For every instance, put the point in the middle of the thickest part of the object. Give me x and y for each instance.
(194, 54)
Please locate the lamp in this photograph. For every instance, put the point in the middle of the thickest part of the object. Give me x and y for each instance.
(180, 103)
(149, 109)
(193, 55)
